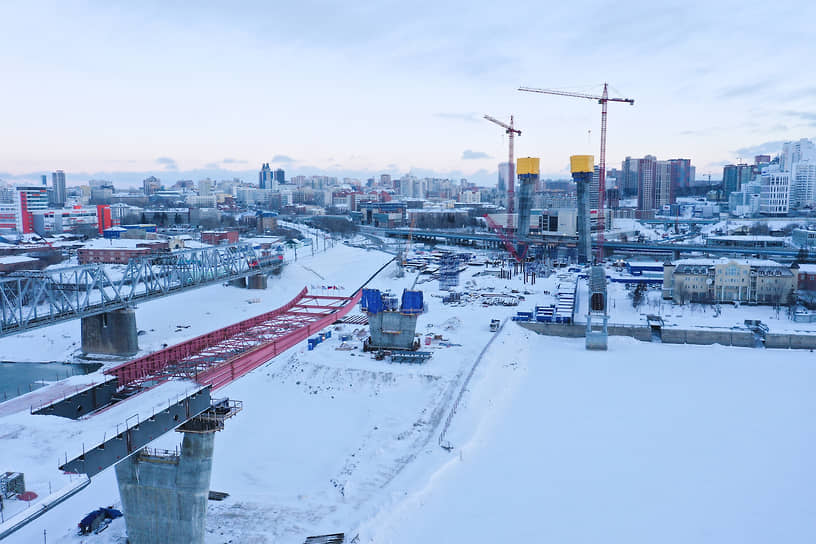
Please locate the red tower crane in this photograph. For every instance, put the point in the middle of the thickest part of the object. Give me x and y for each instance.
(511, 169)
(602, 100)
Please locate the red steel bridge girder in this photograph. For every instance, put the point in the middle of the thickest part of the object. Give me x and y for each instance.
(219, 357)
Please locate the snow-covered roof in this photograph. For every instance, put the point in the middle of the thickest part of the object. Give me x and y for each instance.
(703, 261)
(747, 238)
(807, 268)
(14, 259)
(118, 243)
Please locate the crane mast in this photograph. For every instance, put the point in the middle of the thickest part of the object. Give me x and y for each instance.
(511, 168)
(603, 100)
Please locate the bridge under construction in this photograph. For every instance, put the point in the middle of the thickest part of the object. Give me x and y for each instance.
(164, 493)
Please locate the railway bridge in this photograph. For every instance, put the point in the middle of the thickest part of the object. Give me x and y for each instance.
(104, 296)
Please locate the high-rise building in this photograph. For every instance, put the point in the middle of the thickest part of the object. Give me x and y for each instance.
(205, 187)
(504, 175)
(628, 177)
(44, 180)
(663, 188)
(594, 189)
(803, 183)
(58, 181)
(682, 176)
(151, 185)
(735, 176)
(774, 196)
(280, 176)
(385, 180)
(265, 177)
(762, 159)
(29, 199)
(793, 152)
(646, 178)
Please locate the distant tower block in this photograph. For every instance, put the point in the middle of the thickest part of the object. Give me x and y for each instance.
(582, 168)
(597, 333)
(528, 172)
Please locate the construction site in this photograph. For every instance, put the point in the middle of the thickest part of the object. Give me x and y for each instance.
(352, 387)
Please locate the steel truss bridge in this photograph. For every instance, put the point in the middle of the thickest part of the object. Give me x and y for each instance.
(32, 299)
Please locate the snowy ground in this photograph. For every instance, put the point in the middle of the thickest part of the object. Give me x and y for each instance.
(643, 443)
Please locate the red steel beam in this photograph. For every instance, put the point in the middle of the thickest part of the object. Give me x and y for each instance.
(221, 356)
(248, 361)
(148, 365)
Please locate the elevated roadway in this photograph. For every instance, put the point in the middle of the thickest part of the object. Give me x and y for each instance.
(674, 250)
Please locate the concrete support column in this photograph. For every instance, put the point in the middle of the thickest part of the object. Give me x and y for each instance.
(583, 167)
(111, 333)
(164, 497)
(239, 282)
(258, 281)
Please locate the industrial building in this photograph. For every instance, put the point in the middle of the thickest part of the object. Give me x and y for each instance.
(383, 214)
(218, 237)
(119, 251)
(746, 241)
(804, 238)
(12, 263)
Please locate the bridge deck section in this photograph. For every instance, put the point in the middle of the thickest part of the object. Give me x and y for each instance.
(219, 357)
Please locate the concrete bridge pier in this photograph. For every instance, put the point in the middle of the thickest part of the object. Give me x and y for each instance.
(111, 333)
(258, 281)
(239, 282)
(164, 494)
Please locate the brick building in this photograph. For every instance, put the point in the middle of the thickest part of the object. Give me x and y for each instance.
(218, 237)
(119, 251)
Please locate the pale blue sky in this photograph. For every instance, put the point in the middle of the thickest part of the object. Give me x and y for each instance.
(107, 87)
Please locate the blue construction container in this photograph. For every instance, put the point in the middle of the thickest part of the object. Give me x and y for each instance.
(371, 301)
(412, 303)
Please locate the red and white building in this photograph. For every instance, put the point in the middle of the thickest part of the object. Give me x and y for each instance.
(28, 199)
(8, 217)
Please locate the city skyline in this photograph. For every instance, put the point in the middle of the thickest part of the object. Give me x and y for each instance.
(160, 89)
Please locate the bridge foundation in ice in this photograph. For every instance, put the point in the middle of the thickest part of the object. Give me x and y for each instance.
(258, 281)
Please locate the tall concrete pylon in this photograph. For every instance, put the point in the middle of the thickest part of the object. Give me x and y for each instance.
(164, 494)
(582, 168)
